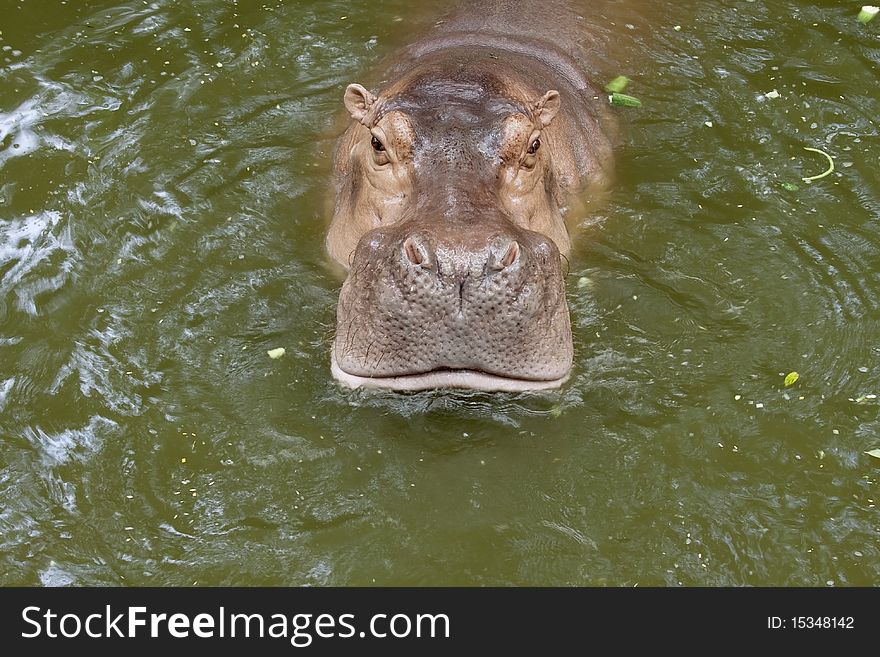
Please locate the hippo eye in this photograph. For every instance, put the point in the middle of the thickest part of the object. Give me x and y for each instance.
(377, 145)
(534, 147)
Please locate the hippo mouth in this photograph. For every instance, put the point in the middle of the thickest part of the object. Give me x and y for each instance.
(475, 308)
(443, 378)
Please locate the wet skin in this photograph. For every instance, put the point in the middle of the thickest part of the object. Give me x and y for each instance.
(452, 185)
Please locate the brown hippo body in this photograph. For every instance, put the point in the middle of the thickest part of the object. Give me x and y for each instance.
(452, 185)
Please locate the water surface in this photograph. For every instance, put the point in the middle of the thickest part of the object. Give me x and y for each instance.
(163, 177)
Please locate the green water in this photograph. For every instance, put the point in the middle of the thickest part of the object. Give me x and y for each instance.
(161, 227)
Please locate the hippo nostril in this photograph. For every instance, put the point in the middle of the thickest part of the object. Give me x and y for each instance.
(511, 255)
(416, 252)
(504, 255)
(411, 252)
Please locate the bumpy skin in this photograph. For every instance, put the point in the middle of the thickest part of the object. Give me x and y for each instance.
(459, 311)
(451, 184)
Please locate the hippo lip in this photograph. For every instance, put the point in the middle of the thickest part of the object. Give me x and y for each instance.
(450, 378)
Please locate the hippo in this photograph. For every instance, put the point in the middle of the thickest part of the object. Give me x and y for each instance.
(453, 180)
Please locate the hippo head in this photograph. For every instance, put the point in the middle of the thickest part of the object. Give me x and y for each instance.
(448, 218)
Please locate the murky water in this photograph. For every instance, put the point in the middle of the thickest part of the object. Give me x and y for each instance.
(163, 174)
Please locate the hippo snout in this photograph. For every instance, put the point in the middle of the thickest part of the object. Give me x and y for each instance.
(482, 307)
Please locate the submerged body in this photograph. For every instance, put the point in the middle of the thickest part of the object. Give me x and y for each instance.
(452, 184)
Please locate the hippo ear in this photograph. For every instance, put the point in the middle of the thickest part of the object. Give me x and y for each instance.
(546, 108)
(358, 101)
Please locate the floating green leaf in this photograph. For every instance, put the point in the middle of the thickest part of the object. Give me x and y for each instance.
(275, 354)
(624, 100)
(790, 187)
(874, 452)
(791, 378)
(617, 85)
(867, 13)
(824, 173)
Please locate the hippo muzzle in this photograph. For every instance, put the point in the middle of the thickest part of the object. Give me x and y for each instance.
(476, 304)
